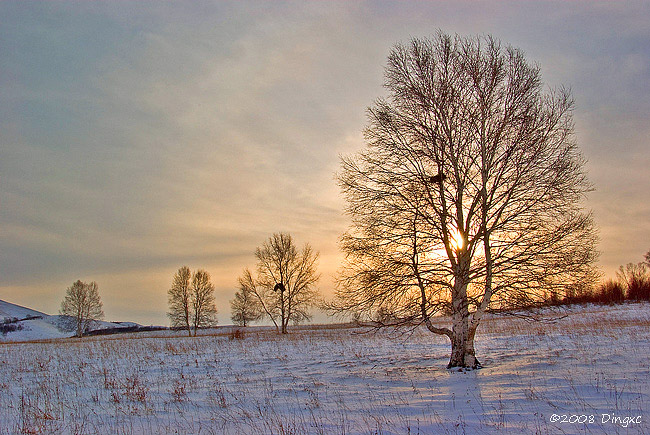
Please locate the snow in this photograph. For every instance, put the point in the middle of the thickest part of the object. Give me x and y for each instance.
(591, 366)
(8, 310)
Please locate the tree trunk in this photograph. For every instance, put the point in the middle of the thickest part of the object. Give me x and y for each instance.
(285, 321)
(283, 311)
(463, 354)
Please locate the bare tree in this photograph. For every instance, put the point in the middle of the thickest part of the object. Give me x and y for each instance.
(467, 196)
(179, 300)
(266, 298)
(246, 306)
(285, 281)
(191, 300)
(83, 304)
(635, 277)
(204, 310)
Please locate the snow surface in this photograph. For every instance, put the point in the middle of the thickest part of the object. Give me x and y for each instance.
(8, 310)
(591, 364)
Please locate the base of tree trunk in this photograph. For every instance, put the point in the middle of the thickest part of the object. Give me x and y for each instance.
(475, 366)
(465, 361)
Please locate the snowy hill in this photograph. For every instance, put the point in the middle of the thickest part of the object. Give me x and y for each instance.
(24, 324)
(16, 311)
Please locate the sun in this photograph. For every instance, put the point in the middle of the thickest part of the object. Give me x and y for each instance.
(456, 243)
(456, 240)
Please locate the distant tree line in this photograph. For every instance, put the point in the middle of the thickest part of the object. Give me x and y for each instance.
(632, 283)
(282, 290)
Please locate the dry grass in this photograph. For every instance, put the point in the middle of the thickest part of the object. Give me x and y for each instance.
(593, 320)
(324, 379)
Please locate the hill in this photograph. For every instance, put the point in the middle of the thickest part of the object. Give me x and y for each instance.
(19, 323)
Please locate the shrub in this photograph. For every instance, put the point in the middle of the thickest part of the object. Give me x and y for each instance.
(10, 324)
(636, 277)
(639, 289)
(236, 334)
(609, 292)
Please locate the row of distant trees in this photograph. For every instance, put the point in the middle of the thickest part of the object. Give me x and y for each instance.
(282, 290)
(191, 303)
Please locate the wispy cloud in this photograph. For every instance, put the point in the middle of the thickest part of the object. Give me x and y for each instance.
(138, 137)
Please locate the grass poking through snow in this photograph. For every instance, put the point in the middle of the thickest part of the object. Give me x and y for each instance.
(593, 362)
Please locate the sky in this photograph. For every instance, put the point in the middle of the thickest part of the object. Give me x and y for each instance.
(138, 137)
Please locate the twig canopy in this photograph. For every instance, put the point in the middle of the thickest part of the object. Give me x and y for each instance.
(468, 193)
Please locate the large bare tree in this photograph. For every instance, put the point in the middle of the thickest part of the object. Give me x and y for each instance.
(286, 278)
(468, 193)
(83, 304)
(191, 300)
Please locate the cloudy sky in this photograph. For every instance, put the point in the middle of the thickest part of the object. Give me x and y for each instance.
(139, 137)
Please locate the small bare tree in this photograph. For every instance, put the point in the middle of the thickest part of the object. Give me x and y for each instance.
(179, 301)
(204, 310)
(266, 298)
(191, 300)
(286, 279)
(635, 277)
(245, 307)
(468, 194)
(83, 304)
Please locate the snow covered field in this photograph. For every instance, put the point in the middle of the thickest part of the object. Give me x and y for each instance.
(587, 373)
